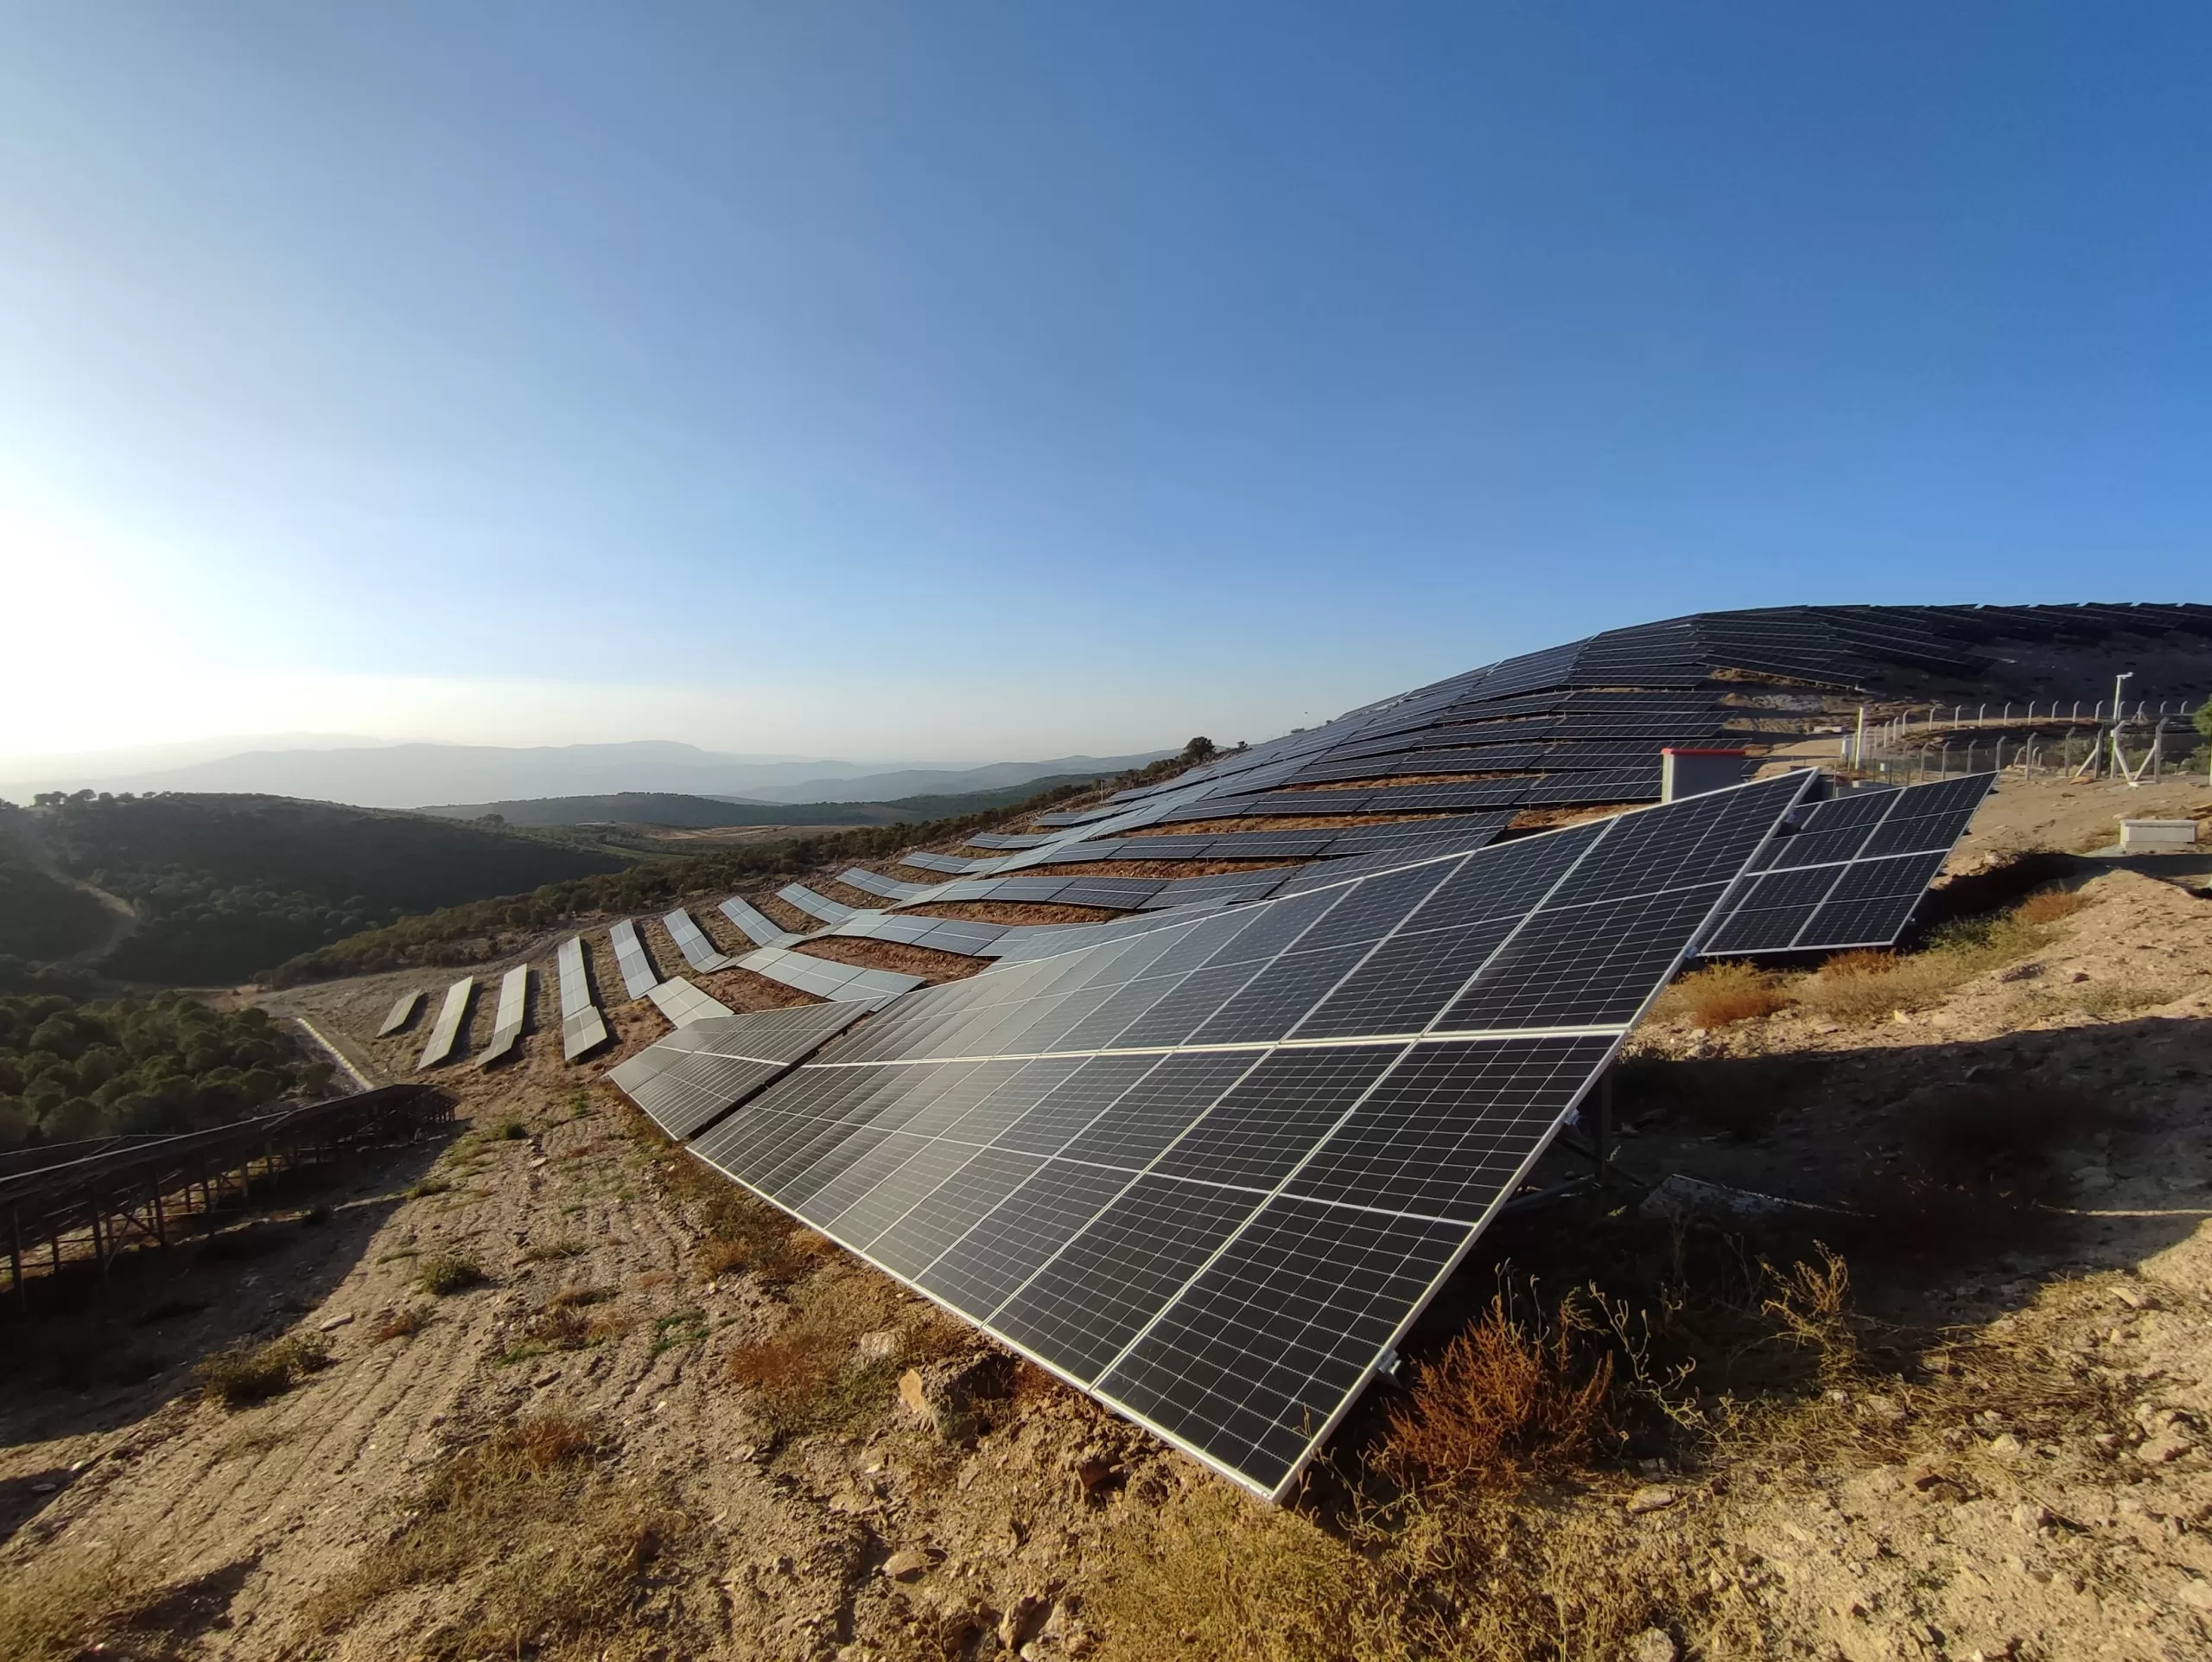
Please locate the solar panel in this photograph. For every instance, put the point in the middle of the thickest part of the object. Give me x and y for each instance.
(402, 1012)
(507, 1021)
(1853, 873)
(1210, 1171)
(826, 977)
(759, 928)
(582, 1029)
(872, 882)
(684, 1003)
(688, 1079)
(814, 905)
(924, 860)
(699, 953)
(639, 976)
(445, 1033)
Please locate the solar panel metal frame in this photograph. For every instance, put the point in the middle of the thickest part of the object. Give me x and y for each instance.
(445, 1035)
(757, 926)
(639, 976)
(684, 1004)
(701, 954)
(1645, 983)
(582, 1029)
(513, 1011)
(401, 1013)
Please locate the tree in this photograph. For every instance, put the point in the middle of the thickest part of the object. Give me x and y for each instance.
(1198, 749)
(2203, 719)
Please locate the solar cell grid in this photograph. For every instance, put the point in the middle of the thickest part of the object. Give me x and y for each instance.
(639, 976)
(1302, 1172)
(401, 1013)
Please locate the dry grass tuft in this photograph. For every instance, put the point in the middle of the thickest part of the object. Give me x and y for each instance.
(553, 1251)
(56, 1607)
(1509, 1401)
(2107, 1000)
(1811, 1307)
(2050, 905)
(810, 1375)
(450, 1272)
(400, 1324)
(565, 1560)
(1721, 995)
(240, 1378)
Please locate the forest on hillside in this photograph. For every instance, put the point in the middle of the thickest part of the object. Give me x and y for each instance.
(462, 935)
(70, 1070)
(226, 887)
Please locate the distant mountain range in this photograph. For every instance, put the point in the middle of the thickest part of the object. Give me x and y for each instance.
(410, 775)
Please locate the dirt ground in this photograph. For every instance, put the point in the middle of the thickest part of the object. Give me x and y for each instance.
(659, 1423)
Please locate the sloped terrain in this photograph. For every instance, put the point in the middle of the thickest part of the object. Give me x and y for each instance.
(660, 1421)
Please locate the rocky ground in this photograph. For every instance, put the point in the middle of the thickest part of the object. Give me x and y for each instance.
(579, 1401)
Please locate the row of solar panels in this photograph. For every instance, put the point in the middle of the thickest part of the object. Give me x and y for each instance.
(1685, 681)
(1209, 1165)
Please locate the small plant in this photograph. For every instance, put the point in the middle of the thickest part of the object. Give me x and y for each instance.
(512, 1131)
(240, 1378)
(684, 1328)
(553, 1251)
(401, 1324)
(2049, 906)
(2107, 999)
(427, 1187)
(316, 1215)
(1721, 995)
(450, 1272)
(1810, 1306)
(1510, 1399)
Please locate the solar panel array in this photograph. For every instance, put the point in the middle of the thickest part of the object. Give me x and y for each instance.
(513, 1011)
(445, 1033)
(1853, 872)
(699, 953)
(1209, 1159)
(582, 1029)
(639, 976)
(402, 1012)
(1209, 1169)
(691, 1077)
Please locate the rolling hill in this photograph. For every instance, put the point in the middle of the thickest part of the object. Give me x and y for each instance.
(226, 886)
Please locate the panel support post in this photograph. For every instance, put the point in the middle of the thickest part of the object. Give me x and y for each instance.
(1602, 1133)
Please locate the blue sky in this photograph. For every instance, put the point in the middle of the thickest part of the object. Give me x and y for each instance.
(954, 381)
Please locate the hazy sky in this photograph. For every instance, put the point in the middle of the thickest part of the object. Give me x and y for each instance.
(942, 381)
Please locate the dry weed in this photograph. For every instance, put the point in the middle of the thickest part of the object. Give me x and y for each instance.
(240, 1378)
(2050, 905)
(810, 1375)
(450, 1272)
(1810, 1306)
(56, 1608)
(1721, 995)
(2107, 999)
(401, 1324)
(1509, 1400)
(568, 1555)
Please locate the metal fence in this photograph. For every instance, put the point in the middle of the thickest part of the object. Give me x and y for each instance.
(117, 1194)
